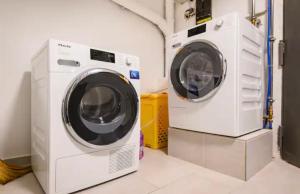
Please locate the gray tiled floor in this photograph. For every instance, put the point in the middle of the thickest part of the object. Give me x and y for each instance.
(162, 174)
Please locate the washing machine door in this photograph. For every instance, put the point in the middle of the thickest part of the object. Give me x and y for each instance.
(197, 71)
(100, 108)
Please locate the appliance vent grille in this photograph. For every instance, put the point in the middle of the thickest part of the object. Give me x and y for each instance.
(251, 92)
(121, 159)
(251, 77)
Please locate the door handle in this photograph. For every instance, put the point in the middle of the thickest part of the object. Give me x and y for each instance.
(282, 48)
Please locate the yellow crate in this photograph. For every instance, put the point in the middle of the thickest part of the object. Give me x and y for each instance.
(155, 120)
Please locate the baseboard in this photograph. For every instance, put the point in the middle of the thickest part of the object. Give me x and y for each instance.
(22, 161)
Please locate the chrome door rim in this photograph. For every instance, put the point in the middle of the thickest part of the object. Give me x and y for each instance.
(212, 92)
(65, 102)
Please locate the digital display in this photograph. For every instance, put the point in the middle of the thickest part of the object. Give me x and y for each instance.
(197, 30)
(102, 56)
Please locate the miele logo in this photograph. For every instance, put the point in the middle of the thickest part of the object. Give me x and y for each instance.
(64, 45)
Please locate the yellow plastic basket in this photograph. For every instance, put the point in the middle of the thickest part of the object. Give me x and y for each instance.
(155, 120)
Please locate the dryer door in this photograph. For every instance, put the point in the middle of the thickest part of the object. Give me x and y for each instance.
(100, 108)
(197, 71)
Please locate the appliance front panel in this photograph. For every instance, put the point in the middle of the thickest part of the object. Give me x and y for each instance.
(94, 168)
(217, 114)
(71, 57)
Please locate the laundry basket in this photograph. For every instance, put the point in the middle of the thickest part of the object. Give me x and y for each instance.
(155, 120)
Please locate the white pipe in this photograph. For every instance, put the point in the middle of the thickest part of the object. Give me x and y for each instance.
(162, 23)
(170, 18)
(165, 25)
(170, 15)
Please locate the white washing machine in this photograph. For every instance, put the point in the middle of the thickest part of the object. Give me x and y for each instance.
(216, 77)
(85, 116)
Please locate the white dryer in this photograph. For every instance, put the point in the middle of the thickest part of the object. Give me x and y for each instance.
(216, 77)
(85, 116)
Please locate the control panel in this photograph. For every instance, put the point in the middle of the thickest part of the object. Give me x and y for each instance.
(102, 56)
(197, 30)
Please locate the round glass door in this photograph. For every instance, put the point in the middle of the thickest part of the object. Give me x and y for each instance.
(197, 71)
(100, 108)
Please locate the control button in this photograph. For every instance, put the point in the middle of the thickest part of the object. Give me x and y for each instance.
(219, 24)
(128, 61)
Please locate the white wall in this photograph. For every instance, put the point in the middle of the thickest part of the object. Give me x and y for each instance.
(221, 7)
(26, 25)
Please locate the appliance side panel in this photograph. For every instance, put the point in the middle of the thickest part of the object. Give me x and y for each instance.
(251, 78)
(40, 117)
(236, 77)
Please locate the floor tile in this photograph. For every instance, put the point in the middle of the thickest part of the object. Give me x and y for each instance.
(162, 174)
(130, 184)
(159, 169)
(217, 176)
(278, 177)
(195, 184)
(24, 185)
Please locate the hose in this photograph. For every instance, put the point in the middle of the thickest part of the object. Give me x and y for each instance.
(269, 107)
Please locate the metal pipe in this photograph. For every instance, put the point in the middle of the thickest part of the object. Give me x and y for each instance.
(270, 42)
(272, 39)
(253, 16)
